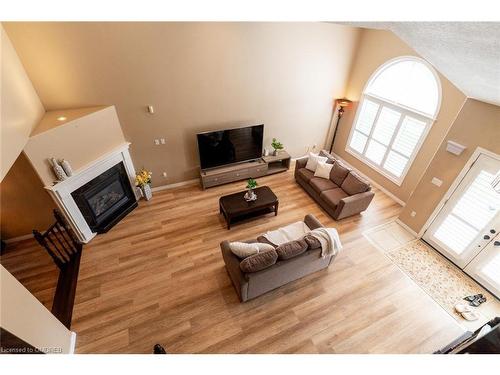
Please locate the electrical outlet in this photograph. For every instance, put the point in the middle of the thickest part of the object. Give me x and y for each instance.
(436, 181)
(162, 141)
(157, 142)
(413, 214)
(164, 174)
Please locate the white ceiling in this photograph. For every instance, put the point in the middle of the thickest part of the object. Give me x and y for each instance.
(467, 53)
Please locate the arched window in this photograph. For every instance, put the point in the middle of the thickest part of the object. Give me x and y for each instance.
(397, 109)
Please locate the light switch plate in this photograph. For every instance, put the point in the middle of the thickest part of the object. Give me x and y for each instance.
(157, 142)
(162, 141)
(436, 181)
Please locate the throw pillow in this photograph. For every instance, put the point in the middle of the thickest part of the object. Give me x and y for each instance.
(354, 184)
(312, 242)
(339, 173)
(291, 249)
(244, 250)
(312, 161)
(259, 261)
(263, 239)
(323, 170)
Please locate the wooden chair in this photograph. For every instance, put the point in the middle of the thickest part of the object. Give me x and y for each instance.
(65, 250)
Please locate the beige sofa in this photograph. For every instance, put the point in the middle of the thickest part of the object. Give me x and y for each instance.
(344, 194)
(249, 285)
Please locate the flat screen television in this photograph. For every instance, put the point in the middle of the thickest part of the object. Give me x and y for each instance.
(230, 146)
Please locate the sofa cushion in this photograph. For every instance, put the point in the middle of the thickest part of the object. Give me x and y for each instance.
(332, 197)
(291, 249)
(259, 261)
(244, 249)
(312, 161)
(339, 173)
(321, 184)
(305, 174)
(312, 242)
(354, 184)
(263, 239)
(323, 170)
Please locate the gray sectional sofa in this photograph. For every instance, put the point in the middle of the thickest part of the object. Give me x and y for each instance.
(344, 194)
(249, 285)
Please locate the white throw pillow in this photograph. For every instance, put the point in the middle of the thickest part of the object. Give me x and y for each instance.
(243, 249)
(323, 170)
(312, 161)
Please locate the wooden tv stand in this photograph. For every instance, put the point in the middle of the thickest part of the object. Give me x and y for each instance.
(263, 167)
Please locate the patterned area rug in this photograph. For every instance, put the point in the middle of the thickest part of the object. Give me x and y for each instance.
(443, 281)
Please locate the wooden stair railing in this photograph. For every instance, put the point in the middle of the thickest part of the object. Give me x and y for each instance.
(65, 250)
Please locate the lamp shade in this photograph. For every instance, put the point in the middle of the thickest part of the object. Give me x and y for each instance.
(343, 102)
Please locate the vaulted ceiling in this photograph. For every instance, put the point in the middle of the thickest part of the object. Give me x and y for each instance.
(467, 53)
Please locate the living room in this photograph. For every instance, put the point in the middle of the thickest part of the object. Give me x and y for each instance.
(250, 187)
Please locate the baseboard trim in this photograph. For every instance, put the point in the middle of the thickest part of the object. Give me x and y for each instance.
(407, 228)
(19, 238)
(177, 184)
(377, 185)
(72, 343)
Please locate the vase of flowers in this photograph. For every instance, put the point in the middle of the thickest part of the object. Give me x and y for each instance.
(250, 194)
(278, 146)
(143, 181)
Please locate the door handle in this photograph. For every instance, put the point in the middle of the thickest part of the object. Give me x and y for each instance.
(493, 231)
(486, 237)
(496, 243)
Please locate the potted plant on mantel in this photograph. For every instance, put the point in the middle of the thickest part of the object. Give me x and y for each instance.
(143, 181)
(250, 194)
(278, 146)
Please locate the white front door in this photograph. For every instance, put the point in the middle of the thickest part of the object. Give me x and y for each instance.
(470, 218)
(485, 267)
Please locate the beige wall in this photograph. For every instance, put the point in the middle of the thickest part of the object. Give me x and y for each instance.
(80, 141)
(477, 125)
(24, 316)
(199, 77)
(375, 48)
(20, 107)
(24, 203)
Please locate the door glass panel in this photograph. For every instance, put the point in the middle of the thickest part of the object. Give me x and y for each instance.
(455, 234)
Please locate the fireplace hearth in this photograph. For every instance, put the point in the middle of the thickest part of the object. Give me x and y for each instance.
(106, 199)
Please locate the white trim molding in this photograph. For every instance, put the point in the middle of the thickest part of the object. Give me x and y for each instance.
(177, 184)
(377, 185)
(61, 191)
(407, 228)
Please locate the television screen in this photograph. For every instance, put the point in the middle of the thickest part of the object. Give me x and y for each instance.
(230, 146)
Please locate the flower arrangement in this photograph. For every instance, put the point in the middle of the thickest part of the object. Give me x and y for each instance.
(143, 178)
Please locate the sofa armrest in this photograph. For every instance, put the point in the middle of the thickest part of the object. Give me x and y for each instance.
(312, 222)
(233, 268)
(353, 204)
(329, 156)
(300, 163)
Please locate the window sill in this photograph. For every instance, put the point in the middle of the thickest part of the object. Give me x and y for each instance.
(375, 167)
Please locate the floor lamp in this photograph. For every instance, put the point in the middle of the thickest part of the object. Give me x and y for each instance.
(341, 104)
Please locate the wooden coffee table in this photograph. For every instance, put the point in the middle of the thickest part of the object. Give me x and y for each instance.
(234, 207)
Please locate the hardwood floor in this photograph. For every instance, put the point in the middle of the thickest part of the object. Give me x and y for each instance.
(158, 277)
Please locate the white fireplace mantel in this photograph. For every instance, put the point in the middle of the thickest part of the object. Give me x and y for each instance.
(61, 191)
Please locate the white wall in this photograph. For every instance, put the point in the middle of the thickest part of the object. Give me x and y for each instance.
(24, 316)
(21, 108)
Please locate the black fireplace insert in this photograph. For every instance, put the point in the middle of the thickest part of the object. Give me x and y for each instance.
(106, 199)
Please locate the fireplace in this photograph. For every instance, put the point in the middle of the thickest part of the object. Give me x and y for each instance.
(106, 199)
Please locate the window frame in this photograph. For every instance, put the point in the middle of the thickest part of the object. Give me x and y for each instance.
(404, 111)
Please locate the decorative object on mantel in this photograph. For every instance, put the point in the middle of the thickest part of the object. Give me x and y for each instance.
(341, 104)
(58, 170)
(67, 167)
(250, 195)
(143, 180)
(278, 146)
